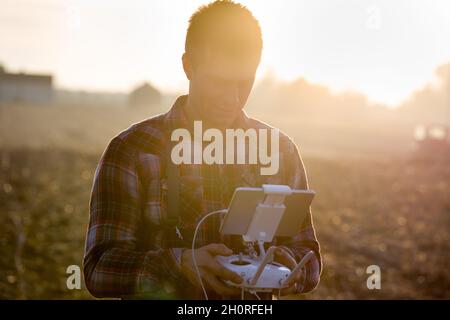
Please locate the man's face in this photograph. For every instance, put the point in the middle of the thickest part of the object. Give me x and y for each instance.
(219, 88)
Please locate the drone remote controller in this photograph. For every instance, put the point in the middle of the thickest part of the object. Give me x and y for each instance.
(262, 274)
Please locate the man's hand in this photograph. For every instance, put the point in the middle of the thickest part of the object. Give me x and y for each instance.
(285, 258)
(211, 271)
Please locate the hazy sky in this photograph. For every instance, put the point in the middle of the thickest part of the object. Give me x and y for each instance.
(385, 49)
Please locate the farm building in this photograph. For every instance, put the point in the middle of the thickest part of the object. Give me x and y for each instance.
(25, 88)
(144, 95)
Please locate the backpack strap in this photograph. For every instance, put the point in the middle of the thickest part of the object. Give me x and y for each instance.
(173, 190)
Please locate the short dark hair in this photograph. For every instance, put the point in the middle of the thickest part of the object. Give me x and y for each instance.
(225, 26)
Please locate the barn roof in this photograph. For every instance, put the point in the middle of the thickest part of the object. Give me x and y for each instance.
(23, 77)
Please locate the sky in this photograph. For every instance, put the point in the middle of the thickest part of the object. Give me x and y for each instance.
(383, 49)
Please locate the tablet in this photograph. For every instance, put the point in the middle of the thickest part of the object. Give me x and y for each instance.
(245, 200)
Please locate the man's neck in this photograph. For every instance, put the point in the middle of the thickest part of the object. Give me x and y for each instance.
(192, 114)
(190, 111)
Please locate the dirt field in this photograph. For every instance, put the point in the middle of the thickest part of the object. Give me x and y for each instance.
(392, 210)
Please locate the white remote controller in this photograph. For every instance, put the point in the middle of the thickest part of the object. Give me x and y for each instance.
(261, 275)
(259, 272)
(272, 276)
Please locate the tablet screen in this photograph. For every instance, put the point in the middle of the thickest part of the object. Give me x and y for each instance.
(245, 200)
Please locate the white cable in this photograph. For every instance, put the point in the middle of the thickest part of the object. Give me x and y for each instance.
(193, 248)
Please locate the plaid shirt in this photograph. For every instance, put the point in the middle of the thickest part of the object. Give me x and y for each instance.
(130, 249)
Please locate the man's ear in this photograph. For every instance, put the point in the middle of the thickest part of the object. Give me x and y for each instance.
(187, 66)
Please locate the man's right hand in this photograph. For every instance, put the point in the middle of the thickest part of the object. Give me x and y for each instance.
(211, 271)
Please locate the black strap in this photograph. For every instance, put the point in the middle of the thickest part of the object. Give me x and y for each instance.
(173, 189)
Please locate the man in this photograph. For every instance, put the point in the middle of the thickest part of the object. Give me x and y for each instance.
(132, 249)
